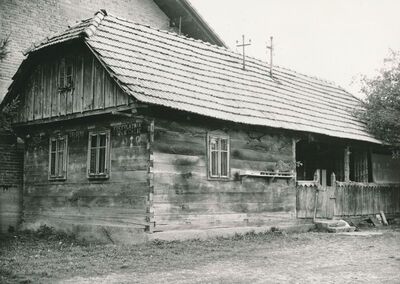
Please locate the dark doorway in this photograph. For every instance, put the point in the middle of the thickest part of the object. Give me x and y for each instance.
(328, 158)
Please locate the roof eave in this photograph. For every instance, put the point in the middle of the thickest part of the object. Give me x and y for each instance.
(167, 7)
(200, 20)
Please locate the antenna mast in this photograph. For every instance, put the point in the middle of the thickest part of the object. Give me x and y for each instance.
(271, 55)
(243, 45)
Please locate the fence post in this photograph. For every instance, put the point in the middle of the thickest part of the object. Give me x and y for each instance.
(317, 179)
(332, 196)
(347, 164)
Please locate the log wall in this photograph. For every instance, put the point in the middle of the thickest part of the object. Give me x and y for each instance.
(98, 207)
(185, 198)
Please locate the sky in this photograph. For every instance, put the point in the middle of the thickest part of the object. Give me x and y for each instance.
(336, 40)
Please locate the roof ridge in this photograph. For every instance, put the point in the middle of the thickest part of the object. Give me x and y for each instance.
(77, 23)
(284, 68)
(359, 100)
(170, 32)
(98, 17)
(96, 20)
(255, 60)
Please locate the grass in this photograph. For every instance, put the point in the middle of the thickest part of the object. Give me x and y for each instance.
(31, 257)
(46, 256)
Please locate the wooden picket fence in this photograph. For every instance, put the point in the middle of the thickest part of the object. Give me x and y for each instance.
(347, 199)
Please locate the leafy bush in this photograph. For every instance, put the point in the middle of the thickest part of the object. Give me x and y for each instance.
(381, 109)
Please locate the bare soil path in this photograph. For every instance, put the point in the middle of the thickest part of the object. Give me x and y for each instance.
(268, 258)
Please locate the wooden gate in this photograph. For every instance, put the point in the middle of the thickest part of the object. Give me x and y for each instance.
(315, 200)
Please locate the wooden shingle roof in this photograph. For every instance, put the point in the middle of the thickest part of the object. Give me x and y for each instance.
(163, 68)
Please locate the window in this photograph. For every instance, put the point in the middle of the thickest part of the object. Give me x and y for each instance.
(218, 156)
(65, 74)
(99, 154)
(58, 158)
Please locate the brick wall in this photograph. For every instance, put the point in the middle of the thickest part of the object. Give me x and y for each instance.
(28, 21)
(11, 166)
(11, 157)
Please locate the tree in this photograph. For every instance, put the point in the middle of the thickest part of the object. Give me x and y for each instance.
(9, 110)
(381, 108)
(7, 113)
(4, 47)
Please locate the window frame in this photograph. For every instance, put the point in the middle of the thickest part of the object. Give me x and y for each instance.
(107, 162)
(218, 137)
(57, 176)
(63, 82)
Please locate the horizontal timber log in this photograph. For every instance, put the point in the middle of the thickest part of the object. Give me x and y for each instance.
(221, 207)
(184, 196)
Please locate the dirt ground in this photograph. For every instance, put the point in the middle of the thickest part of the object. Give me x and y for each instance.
(371, 256)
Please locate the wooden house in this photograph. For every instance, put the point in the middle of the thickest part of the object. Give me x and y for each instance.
(21, 29)
(131, 130)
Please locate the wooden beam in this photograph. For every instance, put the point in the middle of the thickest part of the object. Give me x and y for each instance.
(347, 164)
(76, 115)
(294, 158)
(122, 113)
